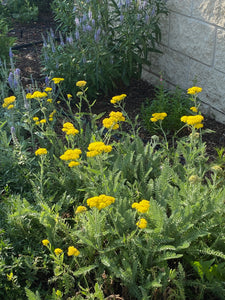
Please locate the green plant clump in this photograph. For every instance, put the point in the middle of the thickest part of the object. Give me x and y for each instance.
(23, 11)
(85, 216)
(5, 41)
(175, 102)
(104, 42)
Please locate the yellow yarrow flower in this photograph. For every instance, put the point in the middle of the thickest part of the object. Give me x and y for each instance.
(41, 151)
(73, 164)
(58, 251)
(35, 119)
(96, 148)
(81, 83)
(37, 95)
(48, 89)
(109, 123)
(158, 116)
(80, 209)
(10, 106)
(118, 98)
(194, 90)
(72, 251)
(100, 201)
(49, 100)
(69, 96)
(142, 206)
(194, 109)
(142, 223)
(192, 120)
(45, 242)
(71, 154)
(43, 121)
(68, 128)
(8, 101)
(57, 80)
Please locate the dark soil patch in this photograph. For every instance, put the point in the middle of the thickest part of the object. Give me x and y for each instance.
(28, 60)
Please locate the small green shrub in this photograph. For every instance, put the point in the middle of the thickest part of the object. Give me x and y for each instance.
(23, 11)
(175, 103)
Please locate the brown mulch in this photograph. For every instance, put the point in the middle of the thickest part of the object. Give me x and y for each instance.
(28, 61)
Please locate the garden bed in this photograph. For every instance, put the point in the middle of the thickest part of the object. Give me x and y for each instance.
(28, 60)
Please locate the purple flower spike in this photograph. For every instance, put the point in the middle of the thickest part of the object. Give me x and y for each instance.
(77, 22)
(97, 35)
(77, 35)
(10, 80)
(10, 53)
(46, 81)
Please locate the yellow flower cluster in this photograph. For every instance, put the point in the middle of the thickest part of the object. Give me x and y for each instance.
(45, 242)
(36, 94)
(72, 251)
(68, 128)
(194, 90)
(100, 201)
(158, 116)
(118, 98)
(81, 83)
(48, 89)
(97, 148)
(195, 121)
(142, 223)
(58, 251)
(194, 109)
(57, 80)
(142, 206)
(71, 155)
(80, 209)
(41, 151)
(50, 118)
(112, 121)
(8, 102)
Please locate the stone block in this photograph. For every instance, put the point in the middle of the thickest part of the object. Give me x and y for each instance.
(211, 11)
(173, 66)
(192, 38)
(180, 6)
(220, 51)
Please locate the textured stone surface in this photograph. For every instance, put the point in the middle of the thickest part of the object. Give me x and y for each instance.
(213, 84)
(220, 50)
(193, 38)
(180, 6)
(173, 66)
(212, 11)
(164, 26)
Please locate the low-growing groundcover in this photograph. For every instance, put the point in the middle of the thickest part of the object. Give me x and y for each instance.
(85, 215)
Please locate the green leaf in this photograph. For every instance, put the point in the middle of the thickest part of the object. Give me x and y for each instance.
(58, 271)
(84, 270)
(32, 296)
(105, 260)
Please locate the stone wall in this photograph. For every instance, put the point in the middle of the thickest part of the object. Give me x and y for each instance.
(193, 46)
